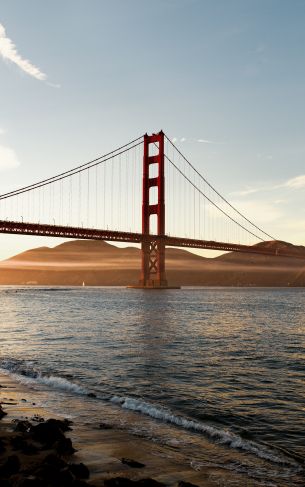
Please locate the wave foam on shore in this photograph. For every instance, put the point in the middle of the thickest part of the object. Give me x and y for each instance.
(223, 437)
(26, 373)
(30, 376)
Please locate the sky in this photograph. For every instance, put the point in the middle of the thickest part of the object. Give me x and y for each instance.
(224, 78)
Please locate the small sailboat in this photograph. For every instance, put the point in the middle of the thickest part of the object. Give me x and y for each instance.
(83, 283)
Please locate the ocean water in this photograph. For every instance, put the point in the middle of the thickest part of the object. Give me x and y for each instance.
(217, 374)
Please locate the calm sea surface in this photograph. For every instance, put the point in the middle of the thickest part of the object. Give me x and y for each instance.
(216, 374)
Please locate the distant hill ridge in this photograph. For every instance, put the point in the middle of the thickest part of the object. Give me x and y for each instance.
(90, 250)
(100, 263)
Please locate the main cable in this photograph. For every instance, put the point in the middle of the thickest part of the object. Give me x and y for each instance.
(211, 201)
(71, 172)
(222, 197)
(66, 174)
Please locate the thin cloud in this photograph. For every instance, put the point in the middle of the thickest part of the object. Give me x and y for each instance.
(8, 158)
(184, 139)
(297, 182)
(9, 51)
(258, 189)
(53, 85)
(259, 211)
(205, 141)
(246, 192)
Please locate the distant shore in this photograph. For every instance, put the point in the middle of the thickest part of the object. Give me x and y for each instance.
(98, 263)
(107, 453)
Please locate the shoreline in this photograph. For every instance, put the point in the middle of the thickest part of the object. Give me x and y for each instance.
(186, 287)
(102, 449)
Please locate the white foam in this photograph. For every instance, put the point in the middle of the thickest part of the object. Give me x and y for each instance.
(223, 437)
(50, 381)
(61, 383)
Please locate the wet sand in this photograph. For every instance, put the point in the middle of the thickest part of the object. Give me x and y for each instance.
(101, 449)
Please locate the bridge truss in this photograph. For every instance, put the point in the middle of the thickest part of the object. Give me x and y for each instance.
(145, 192)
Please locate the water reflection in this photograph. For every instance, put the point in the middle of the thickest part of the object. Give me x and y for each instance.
(231, 358)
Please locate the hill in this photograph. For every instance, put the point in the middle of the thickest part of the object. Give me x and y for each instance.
(100, 263)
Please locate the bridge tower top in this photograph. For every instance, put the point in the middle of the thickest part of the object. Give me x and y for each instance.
(153, 250)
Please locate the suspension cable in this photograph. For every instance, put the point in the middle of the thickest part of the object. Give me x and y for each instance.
(222, 197)
(211, 201)
(66, 174)
(73, 171)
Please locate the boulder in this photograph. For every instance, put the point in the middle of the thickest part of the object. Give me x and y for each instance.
(124, 482)
(105, 426)
(2, 446)
(119, 482)
(64, 446)
(2, 413)
(186, 484)
(55, 461)
(23, 426)
(10, 466)
(79, 470)
(48, 433)
(132, 463)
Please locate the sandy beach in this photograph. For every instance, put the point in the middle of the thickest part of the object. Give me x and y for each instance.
(105, 452)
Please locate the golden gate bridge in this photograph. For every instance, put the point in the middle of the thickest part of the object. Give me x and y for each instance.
(145, 192)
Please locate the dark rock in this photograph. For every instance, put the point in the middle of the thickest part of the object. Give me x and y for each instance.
(124, 482)
(91, 394)
(132, 463)
(29, 449)
(48, 433)
(150, 483)
(79, 470)
(22, 426)
(29, 481)
(64, 446)
(64, 424)
(23, 400)
(54, 476)
(65, 477)
(119, 482)
(186, 484)
(46, 472)
(10, 467)
(80, 483)
(2, 446)
(2, 413)
(105, 426)
(18, 442)
(37, 419)
(55, 461)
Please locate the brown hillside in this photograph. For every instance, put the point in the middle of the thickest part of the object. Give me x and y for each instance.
(100, 263)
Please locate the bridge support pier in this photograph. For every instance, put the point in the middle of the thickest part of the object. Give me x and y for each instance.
(153, 250)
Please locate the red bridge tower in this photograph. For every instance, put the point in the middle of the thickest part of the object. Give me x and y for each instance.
(153, 250)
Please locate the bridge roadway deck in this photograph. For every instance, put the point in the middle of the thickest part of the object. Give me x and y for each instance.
(23, 228)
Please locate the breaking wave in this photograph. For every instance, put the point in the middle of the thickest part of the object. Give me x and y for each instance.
(26, 373)
(222, 436)
(29, 375)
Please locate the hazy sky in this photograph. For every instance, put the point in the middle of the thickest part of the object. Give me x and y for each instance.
(80, 77)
